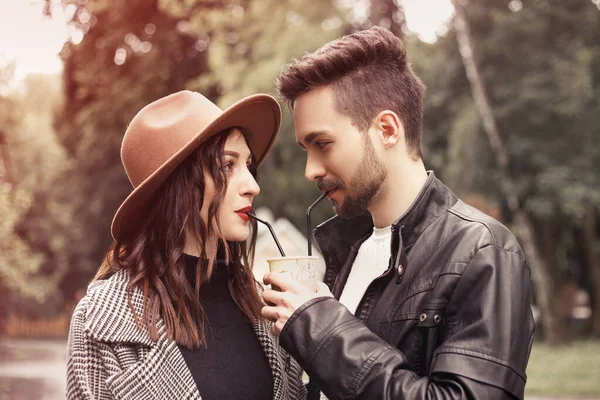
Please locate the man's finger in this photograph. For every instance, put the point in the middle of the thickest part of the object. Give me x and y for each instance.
(277, 328)
(271, 296)
(269, 313)
(275, 314)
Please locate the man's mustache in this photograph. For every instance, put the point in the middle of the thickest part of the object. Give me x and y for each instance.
(327, 186)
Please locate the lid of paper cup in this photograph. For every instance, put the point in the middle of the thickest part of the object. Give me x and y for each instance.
(294, 258)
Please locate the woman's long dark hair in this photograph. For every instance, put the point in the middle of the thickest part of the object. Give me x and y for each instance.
(153, 254)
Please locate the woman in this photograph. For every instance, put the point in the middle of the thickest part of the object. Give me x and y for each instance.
(174, 311)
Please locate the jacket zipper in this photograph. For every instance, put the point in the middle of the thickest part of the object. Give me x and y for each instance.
(387, 271)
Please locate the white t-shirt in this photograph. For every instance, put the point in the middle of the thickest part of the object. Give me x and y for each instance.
(371, 261)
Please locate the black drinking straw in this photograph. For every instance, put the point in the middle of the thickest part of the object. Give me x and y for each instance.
(272, 232)
(308, 224)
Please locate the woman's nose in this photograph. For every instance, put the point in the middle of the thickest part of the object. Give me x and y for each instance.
(250, 186)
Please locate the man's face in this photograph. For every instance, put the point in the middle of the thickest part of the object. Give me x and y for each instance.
(340, 158)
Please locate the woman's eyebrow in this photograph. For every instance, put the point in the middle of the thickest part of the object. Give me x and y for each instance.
(232, 153)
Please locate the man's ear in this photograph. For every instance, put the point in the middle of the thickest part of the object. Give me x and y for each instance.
(390, 128)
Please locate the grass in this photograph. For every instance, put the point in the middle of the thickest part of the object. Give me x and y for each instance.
(572, 369)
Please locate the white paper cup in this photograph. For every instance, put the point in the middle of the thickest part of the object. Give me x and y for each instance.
(300, 268)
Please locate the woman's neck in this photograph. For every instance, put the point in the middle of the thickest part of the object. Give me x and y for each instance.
(191, 246)
(191, 250)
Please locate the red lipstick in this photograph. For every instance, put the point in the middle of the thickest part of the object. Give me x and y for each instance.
(243, 213)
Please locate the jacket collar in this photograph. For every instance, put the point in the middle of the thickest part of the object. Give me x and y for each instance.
(337, 235)
(109, 318)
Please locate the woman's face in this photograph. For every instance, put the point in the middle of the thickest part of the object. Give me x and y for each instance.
(241, 190)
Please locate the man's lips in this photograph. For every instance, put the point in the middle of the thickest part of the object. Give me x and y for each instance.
(329, 187)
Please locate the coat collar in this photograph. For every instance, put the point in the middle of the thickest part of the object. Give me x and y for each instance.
(109, 318)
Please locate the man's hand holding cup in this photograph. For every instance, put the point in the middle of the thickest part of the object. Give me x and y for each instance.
(293, 281)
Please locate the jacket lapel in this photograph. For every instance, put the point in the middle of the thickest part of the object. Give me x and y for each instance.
(274, 355)
(109, 318)
(161, 373)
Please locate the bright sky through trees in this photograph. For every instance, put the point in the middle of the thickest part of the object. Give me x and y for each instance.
(33, 41)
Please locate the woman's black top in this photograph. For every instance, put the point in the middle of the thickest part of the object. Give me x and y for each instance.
(233, 365)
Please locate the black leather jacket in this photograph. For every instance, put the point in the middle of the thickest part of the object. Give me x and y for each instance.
(449, 319)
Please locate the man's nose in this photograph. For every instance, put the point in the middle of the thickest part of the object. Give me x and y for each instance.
(314, 169)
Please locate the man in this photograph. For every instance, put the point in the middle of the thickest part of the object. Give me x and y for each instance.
(431, 296)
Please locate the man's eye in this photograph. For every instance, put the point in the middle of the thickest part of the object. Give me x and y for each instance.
(321, 145)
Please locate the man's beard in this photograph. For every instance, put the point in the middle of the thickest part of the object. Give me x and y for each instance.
(364, 185)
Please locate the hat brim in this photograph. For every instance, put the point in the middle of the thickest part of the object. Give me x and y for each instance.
(258, 115)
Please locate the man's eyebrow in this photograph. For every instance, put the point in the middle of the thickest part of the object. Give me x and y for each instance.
(308, 139)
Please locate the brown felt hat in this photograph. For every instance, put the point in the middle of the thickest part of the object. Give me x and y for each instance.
(168, 130)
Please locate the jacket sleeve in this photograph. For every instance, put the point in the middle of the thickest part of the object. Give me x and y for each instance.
(84, 367)
(484, 356)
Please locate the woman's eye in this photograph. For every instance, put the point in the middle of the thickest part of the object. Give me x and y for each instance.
(227, 167)
(322, 145)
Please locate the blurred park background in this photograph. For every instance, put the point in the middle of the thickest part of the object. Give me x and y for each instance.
(512, 124)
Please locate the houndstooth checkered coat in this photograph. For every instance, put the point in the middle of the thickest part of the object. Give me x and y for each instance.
(110, 358)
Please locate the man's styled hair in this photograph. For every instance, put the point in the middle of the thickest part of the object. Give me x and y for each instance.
(368, 72)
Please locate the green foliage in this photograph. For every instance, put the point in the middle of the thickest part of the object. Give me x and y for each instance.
(71, 217)
(31, 156)
(540, 66)
(551, 117)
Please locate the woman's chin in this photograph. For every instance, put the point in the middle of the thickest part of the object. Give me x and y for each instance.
(240, 235)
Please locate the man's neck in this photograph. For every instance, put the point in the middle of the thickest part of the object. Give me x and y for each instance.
(400, 188)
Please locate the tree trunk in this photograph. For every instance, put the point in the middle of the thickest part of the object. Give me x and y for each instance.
(5, 168)
(591, 267)
(387, 14)
(541, 276)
